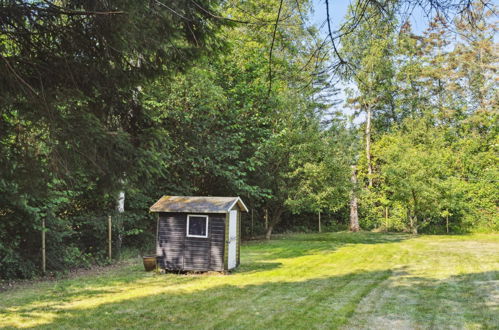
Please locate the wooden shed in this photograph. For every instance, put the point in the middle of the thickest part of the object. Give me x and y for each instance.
(198, 233)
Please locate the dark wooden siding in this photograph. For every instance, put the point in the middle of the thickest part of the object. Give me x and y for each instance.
(170, 241)
(226, 243)
(176, 251)
(217, 234)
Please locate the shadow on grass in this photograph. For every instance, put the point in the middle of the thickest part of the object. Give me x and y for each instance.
(259, 259)
(257, 297)
(300, 304)
(349, 237)
(256, 267)
(306, 244)
(54, 293)
(458, 301)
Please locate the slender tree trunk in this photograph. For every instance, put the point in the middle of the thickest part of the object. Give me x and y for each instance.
(413, 222)
(414, 218)
(415, 225)
(368, 146)
(268, 233)
(447, 223)
(120, 207)
(409, 217)
(120, 203)
(354, 216)
(276, 218)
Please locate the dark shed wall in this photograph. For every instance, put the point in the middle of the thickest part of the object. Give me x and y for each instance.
(178, 252)
(217, 235)
(170, 240)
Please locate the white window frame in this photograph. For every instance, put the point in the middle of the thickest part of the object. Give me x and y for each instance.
(201, 216)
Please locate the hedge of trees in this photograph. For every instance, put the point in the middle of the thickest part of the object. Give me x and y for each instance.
(236, 98)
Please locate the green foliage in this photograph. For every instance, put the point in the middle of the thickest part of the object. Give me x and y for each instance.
(434, 143)
(368, 51)
(71, 122)
(149, 99)
(415, 167)
(145, 103)
(321, 174)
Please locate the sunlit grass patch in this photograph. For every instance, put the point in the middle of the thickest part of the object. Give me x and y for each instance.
(298, 281)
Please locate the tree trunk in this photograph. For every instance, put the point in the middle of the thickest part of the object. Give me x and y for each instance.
(120, 203)
(414, 218)
(447, 223)
(409, 217)
(120, 207)
(268, 233)
(415, 225)
(276, 218)
(413, 222)
(354, 216)
(368, 146)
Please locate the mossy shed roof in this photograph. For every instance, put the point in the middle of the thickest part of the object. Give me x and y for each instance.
(198, 204)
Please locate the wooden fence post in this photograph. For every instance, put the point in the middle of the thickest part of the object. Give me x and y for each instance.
(320, 222)
(44, 260)
(252, 222)
(109, 236)
(386, 218)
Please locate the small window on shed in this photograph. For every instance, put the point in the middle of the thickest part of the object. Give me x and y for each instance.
(197, 226)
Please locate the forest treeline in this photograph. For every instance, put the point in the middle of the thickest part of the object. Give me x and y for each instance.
(238, 99)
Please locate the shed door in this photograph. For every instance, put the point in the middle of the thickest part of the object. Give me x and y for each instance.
(232, 239)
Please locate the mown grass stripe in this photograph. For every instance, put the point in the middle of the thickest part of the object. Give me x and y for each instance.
(325, 281)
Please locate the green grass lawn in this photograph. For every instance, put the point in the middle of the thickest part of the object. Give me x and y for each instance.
(333, 280)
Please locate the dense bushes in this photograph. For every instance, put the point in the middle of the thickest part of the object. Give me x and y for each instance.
(154, 107)
(160, 110)
(429, 142)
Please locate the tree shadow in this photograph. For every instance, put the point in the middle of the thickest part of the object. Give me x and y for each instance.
(256, 267)
(257, 296)
(348, 237)
(57, 292)
(306, 244)
(466, 300)
(277, 304)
